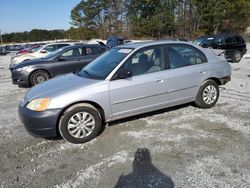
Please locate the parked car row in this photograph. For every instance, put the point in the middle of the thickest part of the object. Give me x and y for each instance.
(32, 66)
(124, 81)
(28, 50)
(39, 52)
(68, 58)
(3, 50)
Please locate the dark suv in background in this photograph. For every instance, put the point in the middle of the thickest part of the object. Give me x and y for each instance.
(234, 45)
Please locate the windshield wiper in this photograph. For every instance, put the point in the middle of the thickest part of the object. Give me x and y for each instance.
(87, 73)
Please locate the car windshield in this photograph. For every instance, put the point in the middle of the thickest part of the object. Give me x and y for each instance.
(35, 49)
(199, 41)
(101, 67)
(52, 54)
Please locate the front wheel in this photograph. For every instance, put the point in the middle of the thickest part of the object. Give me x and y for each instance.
(38, 77)
(80, 123)
(208, 94)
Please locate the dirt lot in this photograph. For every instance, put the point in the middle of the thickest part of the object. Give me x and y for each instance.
(177, 147)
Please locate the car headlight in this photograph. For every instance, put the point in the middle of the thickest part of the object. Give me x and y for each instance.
(23, 69)
(39, 104)
(19, 69)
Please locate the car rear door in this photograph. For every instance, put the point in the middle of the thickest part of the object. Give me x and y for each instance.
(187, 70)
(89, 53)
(142, 92)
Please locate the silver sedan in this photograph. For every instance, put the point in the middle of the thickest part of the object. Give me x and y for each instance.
(125, 81)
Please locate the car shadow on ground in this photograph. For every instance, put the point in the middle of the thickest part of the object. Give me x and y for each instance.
(145, 115)
(136, 117)
(144, 173)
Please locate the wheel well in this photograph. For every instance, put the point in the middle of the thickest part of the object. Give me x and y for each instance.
(97, 106)
(39, 70)
(216, 80)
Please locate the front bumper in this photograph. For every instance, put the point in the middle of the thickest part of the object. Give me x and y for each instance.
(20, 78)
(39, 124)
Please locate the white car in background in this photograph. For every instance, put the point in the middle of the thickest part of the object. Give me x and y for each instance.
(38, 53)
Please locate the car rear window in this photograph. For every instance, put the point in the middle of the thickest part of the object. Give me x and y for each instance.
(61, 45)
(239, 39)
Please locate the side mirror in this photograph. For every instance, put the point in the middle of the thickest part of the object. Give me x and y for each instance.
(124, 74)
(43, 51)
(60, 58)
(219, 42)
(204, 45)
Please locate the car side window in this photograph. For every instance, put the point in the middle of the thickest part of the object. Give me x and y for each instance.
(50, 48)
(96, 50)
(229, 39)
(75, 52)
(87, 51)
(146, 61)
(93, 50)
(184, 55)
(218, 40)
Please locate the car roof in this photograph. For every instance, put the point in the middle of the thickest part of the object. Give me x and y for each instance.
(78, 45)
(55, 43)
(83, 45)
(219, 35)
(150, 43)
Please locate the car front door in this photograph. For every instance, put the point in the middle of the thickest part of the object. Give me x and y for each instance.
(144, 91)
(68, 61)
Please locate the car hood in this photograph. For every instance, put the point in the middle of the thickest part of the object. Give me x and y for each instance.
(20, 58)
(29, 63)
(58, 85)
(25, 56)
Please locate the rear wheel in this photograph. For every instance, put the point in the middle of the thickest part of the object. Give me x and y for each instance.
(208, 94)
(38, 77)
(80, 123)
(236, 57)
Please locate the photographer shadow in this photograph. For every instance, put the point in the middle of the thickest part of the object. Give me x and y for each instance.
(144, 174)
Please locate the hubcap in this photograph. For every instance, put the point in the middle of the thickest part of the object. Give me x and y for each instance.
(39, 78)
(237, 56)
(81, 125)
(209, 94)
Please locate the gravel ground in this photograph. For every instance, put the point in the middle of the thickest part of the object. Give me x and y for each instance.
(177, 147)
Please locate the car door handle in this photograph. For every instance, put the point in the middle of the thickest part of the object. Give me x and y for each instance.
(159, 80)
(203, 72)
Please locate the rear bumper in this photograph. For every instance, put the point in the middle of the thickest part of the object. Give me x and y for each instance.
(224, 80)
(229, 54)
(39, 124)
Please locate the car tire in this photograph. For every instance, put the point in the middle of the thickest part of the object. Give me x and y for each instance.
(80, 123)
(236, 57)
(208, 94)
(38, 77)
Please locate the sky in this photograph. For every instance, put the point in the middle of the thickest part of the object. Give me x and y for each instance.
(25, 15)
